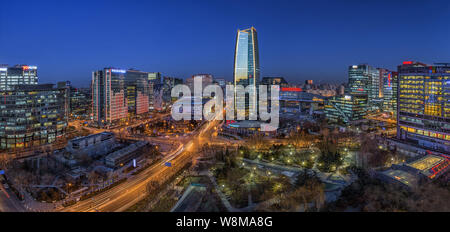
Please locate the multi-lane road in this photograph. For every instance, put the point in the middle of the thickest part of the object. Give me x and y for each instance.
(133, 190)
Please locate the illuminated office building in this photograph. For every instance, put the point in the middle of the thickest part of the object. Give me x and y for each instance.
(119, 93)
(32, 115)
(390, 83)
(168, 84)
(345, 110)
(246, 66)
(154, 78)
(364, 82)
(423, 111)
(17, 75)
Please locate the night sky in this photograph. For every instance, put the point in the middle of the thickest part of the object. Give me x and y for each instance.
(299, 40)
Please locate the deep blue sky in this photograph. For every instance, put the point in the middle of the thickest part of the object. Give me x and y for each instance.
(300, 40)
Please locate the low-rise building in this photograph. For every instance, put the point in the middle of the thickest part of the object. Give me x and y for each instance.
(126, 154)
(92, 145)
(345, 109)
(410, 174)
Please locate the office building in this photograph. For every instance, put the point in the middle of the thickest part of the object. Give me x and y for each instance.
(154, 78)
(364, 82)
(168, 84)
(390, 83)
(345, 110)
(32, 115)
(118, 94)
(423, 111)
(246, 67)
(17, 75)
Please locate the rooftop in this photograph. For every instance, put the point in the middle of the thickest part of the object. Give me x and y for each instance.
(401, 176)
(430, 165)
(91, 136)
(126, 150)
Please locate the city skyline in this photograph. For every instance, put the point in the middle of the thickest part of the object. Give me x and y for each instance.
(335, 35)
(232, 106)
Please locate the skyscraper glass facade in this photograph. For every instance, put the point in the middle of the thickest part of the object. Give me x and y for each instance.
(246, 64)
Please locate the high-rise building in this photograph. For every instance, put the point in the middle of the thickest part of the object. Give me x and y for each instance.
(32, 115)
(390, 83)
(168, 84)
(118, 93)
(364, 82)
(381, 73)
(17, 75)
(246, 66)
(154, 79)
(309, 82)
(423, 112)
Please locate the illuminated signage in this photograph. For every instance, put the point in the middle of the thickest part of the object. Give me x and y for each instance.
(26, 67)
(407, 62)
(291, 89)
(118, 71)
(4, 69)
(355, 66)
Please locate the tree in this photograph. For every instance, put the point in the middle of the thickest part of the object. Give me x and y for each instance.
(5, 160)
(370, 154)
(152, 186)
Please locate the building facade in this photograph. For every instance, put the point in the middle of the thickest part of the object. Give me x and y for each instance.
(32, 115)
(345, 110)
(118, 94)
(364, 82)
(246, 67)
(17, 75)
(423, 112)
(390, 83)
(154, 78)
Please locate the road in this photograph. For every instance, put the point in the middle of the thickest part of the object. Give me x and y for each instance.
(9, 201)
(133, 190)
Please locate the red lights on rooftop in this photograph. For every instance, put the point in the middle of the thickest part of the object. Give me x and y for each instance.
(407, 62)
(290, 89)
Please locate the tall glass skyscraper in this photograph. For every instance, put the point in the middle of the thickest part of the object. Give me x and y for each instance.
(246, 65)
